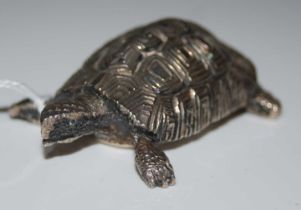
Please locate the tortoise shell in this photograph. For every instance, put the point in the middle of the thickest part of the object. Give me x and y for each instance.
(171, 79)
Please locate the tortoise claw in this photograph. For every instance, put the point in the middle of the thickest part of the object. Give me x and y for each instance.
(160, 175)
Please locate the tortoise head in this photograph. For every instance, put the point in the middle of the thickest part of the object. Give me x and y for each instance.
(70, 116)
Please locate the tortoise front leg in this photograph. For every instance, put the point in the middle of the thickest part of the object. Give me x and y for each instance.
(25, 110)
(153, 165)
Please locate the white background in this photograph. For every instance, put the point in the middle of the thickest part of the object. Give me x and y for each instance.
(248, 163)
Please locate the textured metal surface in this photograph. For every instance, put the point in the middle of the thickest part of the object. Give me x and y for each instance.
(172, 78)
(159, 83)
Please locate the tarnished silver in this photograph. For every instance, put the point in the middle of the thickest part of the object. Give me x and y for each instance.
(159, 83)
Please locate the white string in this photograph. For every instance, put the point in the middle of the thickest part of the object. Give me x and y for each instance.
(25, 91)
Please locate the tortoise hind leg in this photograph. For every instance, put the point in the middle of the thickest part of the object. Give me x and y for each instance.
(153, 165)
(264, 104)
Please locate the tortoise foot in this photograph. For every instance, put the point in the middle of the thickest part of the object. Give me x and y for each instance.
(153, 165)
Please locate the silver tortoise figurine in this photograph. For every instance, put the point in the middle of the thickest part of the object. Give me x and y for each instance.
(159, 83)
